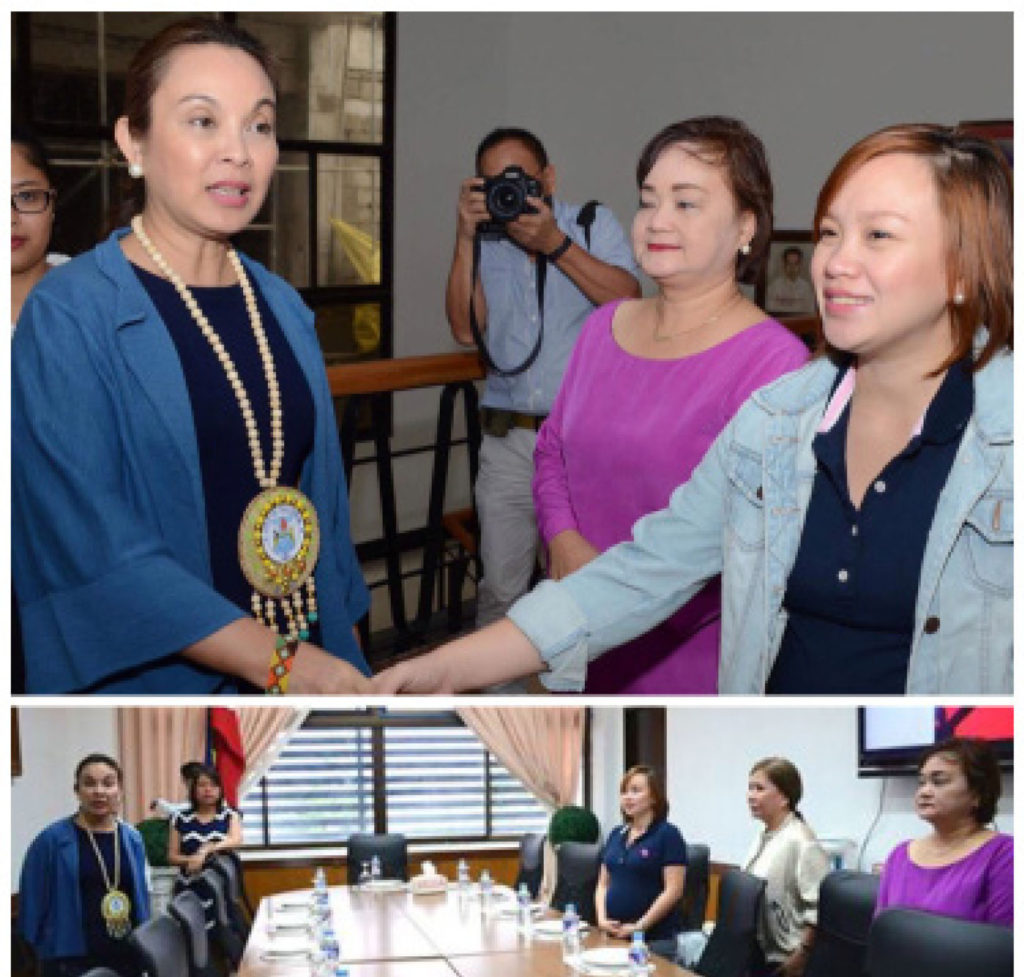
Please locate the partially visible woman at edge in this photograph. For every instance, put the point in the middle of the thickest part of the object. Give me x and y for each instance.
(207, 826)
(788, 856)
(651, 382)
(643, 866)
(963, 867)
(859, 510)
(169, 402)
(33, 203)
(83, 885)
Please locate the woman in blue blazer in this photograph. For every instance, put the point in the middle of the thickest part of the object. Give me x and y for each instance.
(180, 514)
(83, 882)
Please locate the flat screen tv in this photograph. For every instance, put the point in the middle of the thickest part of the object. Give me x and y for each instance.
(890, 738)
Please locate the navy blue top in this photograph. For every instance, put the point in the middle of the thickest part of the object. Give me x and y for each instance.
(635, 876)
(195, 833)
(852, 593)
(103, 949)
(229, 483)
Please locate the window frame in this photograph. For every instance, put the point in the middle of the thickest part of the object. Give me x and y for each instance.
(376, 719)
(316, 296)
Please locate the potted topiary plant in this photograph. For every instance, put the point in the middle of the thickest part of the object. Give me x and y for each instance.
(155, 833)
(573, 823)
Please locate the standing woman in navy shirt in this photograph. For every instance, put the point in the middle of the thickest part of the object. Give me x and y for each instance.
(208, 825)
(860, 510)
(642, 866)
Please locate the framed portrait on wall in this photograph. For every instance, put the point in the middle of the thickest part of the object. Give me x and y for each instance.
(1000, 131)
(784, 289)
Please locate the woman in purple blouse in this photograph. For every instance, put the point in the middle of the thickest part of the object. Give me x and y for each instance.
(962, 868)
(652, 382)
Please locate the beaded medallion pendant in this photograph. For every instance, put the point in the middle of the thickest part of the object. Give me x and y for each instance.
(279, 537)
(278, 546)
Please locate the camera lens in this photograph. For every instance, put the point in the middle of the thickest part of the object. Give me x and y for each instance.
(505, 201)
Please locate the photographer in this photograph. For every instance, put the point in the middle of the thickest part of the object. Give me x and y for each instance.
(535, 268)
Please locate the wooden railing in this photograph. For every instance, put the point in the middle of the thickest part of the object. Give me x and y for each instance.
(372, 383)
(408, 373)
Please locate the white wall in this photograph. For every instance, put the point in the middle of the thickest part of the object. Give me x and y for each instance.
(711, 747)
(595, 87)
(53, 740)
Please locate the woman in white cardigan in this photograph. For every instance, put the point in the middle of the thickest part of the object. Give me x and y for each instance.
(787, 855)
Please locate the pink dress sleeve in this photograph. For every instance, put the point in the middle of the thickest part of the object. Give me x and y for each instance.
(999, 897)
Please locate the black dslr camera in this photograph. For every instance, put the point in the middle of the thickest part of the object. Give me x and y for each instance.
(505, 196)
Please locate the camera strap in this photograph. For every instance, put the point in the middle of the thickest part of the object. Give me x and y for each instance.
(474, 325)
(584, 219)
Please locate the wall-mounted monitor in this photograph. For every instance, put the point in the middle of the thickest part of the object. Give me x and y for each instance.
(891, 738)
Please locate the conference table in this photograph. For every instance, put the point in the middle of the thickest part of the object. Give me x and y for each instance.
(393, 932)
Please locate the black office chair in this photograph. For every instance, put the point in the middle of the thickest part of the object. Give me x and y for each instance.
(227, 869)
(693, 906)
(531, 862)
(908, 941)
(732, 947)
(846, 907)
(579, 865)
(209, 886)
(391, 849)
(187, 909)
(159, 944)
(230, 866)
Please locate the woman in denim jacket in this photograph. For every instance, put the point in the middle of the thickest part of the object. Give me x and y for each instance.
(860, 510)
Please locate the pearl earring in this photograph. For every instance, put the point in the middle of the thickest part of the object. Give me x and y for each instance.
(745, 249)
(958, 298)
(135, 170)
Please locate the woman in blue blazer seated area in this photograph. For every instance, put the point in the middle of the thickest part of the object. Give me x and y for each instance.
(642, 866)
(180, 516)
(860, 510)
(83, 881)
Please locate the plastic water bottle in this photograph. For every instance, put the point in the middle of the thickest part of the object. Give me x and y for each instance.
(525, 916)
(463, 876)
(320, 896)
(639, 956)
(364, 875)
(486, 887)
(375, 869)
(330, 946)
(570, 934)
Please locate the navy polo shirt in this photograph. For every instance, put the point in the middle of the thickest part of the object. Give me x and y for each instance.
(635, 876)
(852, 593)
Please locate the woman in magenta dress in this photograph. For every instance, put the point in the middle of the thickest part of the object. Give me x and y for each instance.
(963, 868)
(653, 381)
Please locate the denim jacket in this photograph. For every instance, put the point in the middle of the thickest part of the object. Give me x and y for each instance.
(741, 514)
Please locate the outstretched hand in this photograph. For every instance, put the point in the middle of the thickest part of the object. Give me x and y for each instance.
(418, 676)
(316, 672)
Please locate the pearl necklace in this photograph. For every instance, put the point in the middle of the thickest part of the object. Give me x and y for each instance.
(265, 479)
(279, 538)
